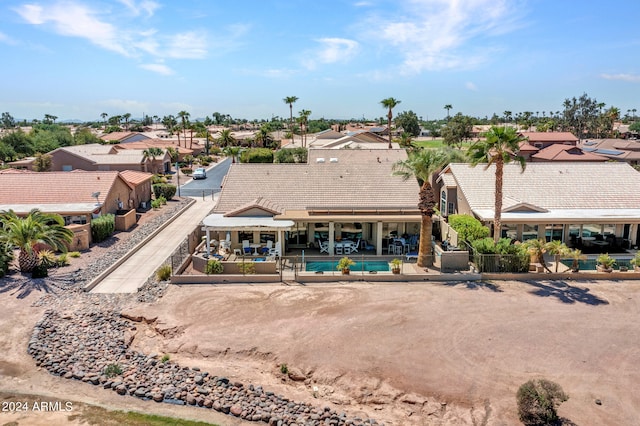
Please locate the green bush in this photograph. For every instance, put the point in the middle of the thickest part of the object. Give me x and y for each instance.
(247, 268)
(6, 256)
(214, 266)
(186, 171)
(486, 256)
(112, 370)
(162, 200)
(74, 254)
(155, 204)
(62, 260)
(103, 227)
(291, 155)
(256, 155)
(468, 227)
(165, 358)
(47, 258)
(165, 190)
(157, 179)
(163, 273)
(538, 401)
(40, 271)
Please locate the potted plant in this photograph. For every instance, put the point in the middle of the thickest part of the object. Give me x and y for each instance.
(576, 255)
(345, 264)
(636, 262)
(605, 263)
(395, 265)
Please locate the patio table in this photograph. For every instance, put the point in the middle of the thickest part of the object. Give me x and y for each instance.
(255, 248)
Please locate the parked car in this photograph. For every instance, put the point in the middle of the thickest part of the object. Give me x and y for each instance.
(200, 173)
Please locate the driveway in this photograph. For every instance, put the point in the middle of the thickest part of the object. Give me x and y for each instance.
(209, 186)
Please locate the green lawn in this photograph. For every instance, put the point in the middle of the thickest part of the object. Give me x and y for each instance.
(437, 143)
(99, 416)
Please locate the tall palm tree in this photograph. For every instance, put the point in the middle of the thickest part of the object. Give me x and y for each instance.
(25, 233)
(390, 104)
(232, 151)
(500, 146)
(126, 118)
(304, 121)
(448, 107)
(263, 137)
(104, 116)
(290, 100)
(184, 116)
(421, 164)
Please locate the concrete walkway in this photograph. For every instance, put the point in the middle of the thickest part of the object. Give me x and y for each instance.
(137, 268)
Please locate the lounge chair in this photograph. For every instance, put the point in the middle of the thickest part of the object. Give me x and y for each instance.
(246, 248)
(276, 250)
(324, 247)
(267, 248)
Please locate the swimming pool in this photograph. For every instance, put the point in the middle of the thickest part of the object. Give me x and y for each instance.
(331, 266)
(590, 264)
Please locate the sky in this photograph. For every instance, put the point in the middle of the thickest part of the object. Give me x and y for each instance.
(77, 59)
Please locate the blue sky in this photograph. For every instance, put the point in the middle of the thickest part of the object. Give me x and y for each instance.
(78, 58)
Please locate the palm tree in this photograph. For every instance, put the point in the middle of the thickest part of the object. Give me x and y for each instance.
(232, 151)
(26, 233)
(173, 153)
(500, 146)
(557, 248)
(152, 153)
(263, 137)
(389, 103)
(104, 116)
(304, 121)
(226, 138)
(448, 107)
(184, 116)
(290, 100)
(421, 164)
(126, 117)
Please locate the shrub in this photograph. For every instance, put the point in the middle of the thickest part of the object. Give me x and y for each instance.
(74, 254)
(538, 401)
(257, 155)
(165, 190)
(6, 256)
(163, 273)
(165, 358)
(468, 227)
(47, 259)
(155, 204)
(187, 171)
(162, 200)
(515, 256)
(246, 268)
(158, 179)
(103, 227)
(112, 370)
(284, 369)
(214, 266)
(62, 260)
(40, 271)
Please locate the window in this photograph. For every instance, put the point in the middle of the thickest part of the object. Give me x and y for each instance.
(529, 232)
(267, 237)
(510, 231)
(553, 232)
(67, 168)
(443, 203)
(243, 235)
(77, 220)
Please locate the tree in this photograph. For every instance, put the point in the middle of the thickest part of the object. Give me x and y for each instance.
(408, 121)
(304, 122)
(538, 401)
(290, 100)
(42, 163)
(232, 151)
(448, 107)
(8, 122)
(263, 137)
(173, 153)
(390, 104)
(84, 136)
(104, 116)
(152, 153)
(126, 118)
(500, 147)
(169, 122)
(557, 249)
(457, 130)
(421, 164)
(184, 116)
(26, 233)
(225, 139)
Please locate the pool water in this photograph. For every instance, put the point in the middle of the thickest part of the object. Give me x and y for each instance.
(590, 264)
(331, 266)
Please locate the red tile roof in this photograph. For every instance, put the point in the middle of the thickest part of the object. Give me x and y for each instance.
(550, 136)
(135, 178)
(558, 152)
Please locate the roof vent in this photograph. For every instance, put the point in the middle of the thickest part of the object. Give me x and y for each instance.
(319, 160)
(333, 160)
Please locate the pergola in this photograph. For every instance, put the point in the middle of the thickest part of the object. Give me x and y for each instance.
(220, 222)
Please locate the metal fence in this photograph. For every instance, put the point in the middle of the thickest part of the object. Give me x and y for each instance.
(363, 264)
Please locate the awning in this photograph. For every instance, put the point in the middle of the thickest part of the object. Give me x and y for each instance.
(218, 222)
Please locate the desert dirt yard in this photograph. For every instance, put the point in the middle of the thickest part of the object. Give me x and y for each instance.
(401, 353)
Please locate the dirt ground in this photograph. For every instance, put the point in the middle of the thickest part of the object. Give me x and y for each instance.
(404, 354)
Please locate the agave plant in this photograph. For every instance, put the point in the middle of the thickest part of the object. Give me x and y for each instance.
(25, 233)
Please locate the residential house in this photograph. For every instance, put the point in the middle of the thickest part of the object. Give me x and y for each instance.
(344, 193)
(361, 139)
(561, 152)
(544, 139)
(104, 158)
(614, 149)
(573, 202)
(123, 137)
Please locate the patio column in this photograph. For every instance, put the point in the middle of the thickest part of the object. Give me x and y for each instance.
(208, 243)
(379, 239)
(332, 237)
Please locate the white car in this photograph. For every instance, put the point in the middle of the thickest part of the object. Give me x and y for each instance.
(200, 173)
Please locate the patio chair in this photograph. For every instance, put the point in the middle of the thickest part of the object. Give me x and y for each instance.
(267, 248)
(355, 246)
(338, 248)
(245, 247)
(276, 250)
(347, 248)
(324, 247)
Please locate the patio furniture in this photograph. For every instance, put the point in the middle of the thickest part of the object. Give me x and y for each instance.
(276, 251)
(339, 248)
(324, 247)
(255, 248)
(267, 248)
(411, 255)
(245, 247)
(355, 246)
(237, 252)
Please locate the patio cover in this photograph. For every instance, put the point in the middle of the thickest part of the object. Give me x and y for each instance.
(219, 222)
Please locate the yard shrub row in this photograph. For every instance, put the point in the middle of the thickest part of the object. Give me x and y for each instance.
(164, 190)
(103, 227)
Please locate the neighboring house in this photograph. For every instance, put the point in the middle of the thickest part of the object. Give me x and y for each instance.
(614, 149)
(163, 144)
(360, 139)
(544, 139)
(563, 201)
(141, 191)
(338, 193)
(560, 152)
(105, 158)
(123, 137)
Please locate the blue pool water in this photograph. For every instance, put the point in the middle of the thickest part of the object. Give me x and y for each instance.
(330, 266)
(590, 264)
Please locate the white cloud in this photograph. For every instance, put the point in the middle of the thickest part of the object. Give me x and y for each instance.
(6, 39)
(158, 68)
(124, 105)
(189, 45)
(633, 78)
(146, 6)
(362, 4)
(332, 50)
(440, 34)
(471, 86)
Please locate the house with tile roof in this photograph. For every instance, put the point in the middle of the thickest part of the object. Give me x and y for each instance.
(614, 149)
(123, 137)
(574, 202)
(345, 192)
(544, 139)
(359, 139)
(561, 152)
(105, 157)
